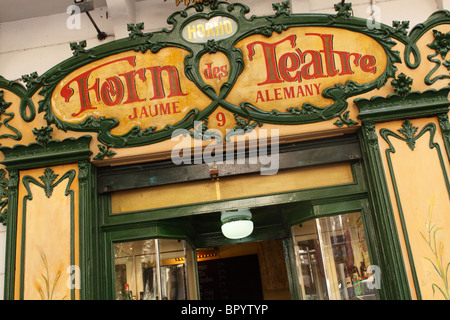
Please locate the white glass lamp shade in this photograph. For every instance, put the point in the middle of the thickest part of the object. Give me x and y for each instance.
(237, 224)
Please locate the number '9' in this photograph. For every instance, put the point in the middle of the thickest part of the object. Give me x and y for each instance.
(220, 117)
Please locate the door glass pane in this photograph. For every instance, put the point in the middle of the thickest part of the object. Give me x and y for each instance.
(152, 269)
(173, 271)
(332, 258)
(309, 262)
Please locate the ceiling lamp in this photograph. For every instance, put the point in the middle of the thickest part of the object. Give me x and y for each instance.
(236, 224)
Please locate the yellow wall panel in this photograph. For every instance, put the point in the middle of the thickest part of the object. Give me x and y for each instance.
(418, 183)
(230, 188)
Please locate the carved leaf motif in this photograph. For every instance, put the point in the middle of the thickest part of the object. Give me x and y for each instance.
(343, 9)
(281, 7)
(409, 131)
(48, 178)
(29, 79)
(135, 30)
(104, 152)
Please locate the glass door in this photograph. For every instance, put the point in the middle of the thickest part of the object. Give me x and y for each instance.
(154, 269)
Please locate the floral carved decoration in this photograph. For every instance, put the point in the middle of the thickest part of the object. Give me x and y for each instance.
(43, 135)
(441, 46)
(402, 84)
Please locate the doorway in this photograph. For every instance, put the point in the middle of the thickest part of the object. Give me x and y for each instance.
(246, 271)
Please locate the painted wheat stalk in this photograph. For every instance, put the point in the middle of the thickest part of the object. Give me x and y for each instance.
(48, 285)
(437, 248)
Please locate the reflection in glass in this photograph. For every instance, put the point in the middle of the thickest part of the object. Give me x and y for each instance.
(152, 269)
(332, 258)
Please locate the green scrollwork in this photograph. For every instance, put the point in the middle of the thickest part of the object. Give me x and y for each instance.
(27, 109)
(105, 152)
(408, 131)
(49, 182)
(4, 182)
(9, 116)
(202, 132)
(243, 126)
(441, 46)
(344, 119)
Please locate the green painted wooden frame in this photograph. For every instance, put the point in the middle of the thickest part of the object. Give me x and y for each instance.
(299, 206)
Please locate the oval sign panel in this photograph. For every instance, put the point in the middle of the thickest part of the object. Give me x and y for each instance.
(144, 90)
(202, 30)
(297, 66)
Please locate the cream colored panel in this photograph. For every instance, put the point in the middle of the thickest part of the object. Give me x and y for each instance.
(47, 245)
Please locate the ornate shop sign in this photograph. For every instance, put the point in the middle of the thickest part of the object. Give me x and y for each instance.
(151, 90)
(222, 69)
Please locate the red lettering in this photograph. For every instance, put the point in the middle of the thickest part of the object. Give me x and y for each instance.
(114, 90)
(315, 63)
(345, 61)
(112, 87)
(83, 88)
(208, 71)
(327, 42)
(310, 64)
(174, 82)
(220, 117)
(259, 96)
(175, 107)
(289, 92)
(164, 109)
(277, 92)
(317, 87)
(134, 115)
(270, 58)
(294, 65)
(130, 80)
(224, 70)
(368, 64)
(267, 96)
(156, 110)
